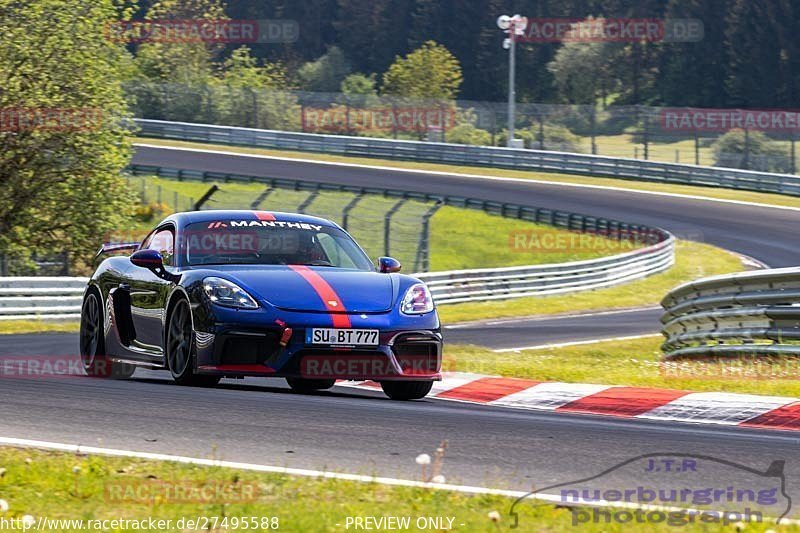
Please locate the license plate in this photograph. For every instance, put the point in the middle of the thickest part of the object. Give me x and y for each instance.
(349, 337)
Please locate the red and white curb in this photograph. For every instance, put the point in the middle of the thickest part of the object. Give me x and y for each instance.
(743, 410)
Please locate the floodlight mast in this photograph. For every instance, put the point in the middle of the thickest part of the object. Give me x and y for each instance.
(513, 26)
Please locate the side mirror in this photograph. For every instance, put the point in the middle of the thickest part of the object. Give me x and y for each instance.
(150, 259)
(387, 265)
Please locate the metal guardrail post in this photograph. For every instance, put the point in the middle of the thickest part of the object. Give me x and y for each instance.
(387, 223)
(307, 202)
(349, 207)
(203, 199)
(422, 260)
(261, 197)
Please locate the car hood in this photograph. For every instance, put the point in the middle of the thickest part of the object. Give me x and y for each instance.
(315, 289)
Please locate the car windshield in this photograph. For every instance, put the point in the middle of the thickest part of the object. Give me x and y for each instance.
(218, 243)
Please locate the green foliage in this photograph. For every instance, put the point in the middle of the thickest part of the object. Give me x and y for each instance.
(247, 94)
(60, 184)
(555, 138)
(583, 71)
(359, 84)
(430, 71)
(327, 73)
(468, 134)
(753, 151)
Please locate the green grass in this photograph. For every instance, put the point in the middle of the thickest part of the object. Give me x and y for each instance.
(8, 327)
(694, 190)
(460, 238)
(692, 261)
(635, 362)
(66, 486)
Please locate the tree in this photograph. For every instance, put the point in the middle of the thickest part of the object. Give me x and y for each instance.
(430, 71)
(63, 143)
(750, 150)
(583, 71)
(359, 84)
(250, 95)
(326, 73)
(172, 79)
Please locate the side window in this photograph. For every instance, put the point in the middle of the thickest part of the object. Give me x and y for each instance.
(164, 242)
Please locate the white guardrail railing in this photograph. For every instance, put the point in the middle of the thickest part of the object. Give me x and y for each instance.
(46, 298)
(490, 156)
(538, 280)
(748, 314)
(59, 298)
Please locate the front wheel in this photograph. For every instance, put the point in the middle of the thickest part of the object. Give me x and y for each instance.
(406, 390)
(92, 344)
(180, 349)
(310, 385)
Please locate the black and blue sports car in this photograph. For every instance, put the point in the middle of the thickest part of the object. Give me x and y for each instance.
(212, 294)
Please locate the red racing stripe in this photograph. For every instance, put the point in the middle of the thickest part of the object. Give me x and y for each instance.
(337, 311)
(264, 215)
(786, 417)
(486, 390)
(623, 401)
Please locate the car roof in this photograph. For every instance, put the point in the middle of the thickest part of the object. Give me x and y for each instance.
(185, 218)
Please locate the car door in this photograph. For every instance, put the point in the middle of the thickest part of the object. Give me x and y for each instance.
(149, 292)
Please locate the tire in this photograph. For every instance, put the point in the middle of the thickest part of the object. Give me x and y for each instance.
(310, 385)
(92, 344)
(406, 390)
(179, 349)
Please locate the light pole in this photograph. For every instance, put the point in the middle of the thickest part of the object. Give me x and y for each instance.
(513, 26)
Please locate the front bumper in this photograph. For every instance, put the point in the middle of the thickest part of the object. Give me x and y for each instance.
(236, 350)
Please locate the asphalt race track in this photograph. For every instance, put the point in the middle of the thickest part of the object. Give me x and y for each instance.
(524, 332)
(260, 421)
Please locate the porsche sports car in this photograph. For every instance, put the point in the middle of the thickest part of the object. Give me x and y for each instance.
(212, 294)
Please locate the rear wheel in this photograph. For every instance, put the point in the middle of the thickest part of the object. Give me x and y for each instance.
(406, 390)
(92, 345)
(310, 385)
(180, 349)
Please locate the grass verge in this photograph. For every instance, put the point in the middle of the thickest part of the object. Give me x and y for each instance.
(459, 238)
(8, 327)
(635, 362)
(693, 190)
(692, 260)
(55, 486)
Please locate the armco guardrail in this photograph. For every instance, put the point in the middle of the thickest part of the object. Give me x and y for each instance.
(547, 161)
(737, 315)
(54, 298)
(538, 280)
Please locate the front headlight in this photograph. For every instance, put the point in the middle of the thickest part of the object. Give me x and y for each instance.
(226, 293)
(418, 300)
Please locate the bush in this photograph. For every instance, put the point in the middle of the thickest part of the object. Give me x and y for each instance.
(468, 134)
(556, 138)
(754, 151)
